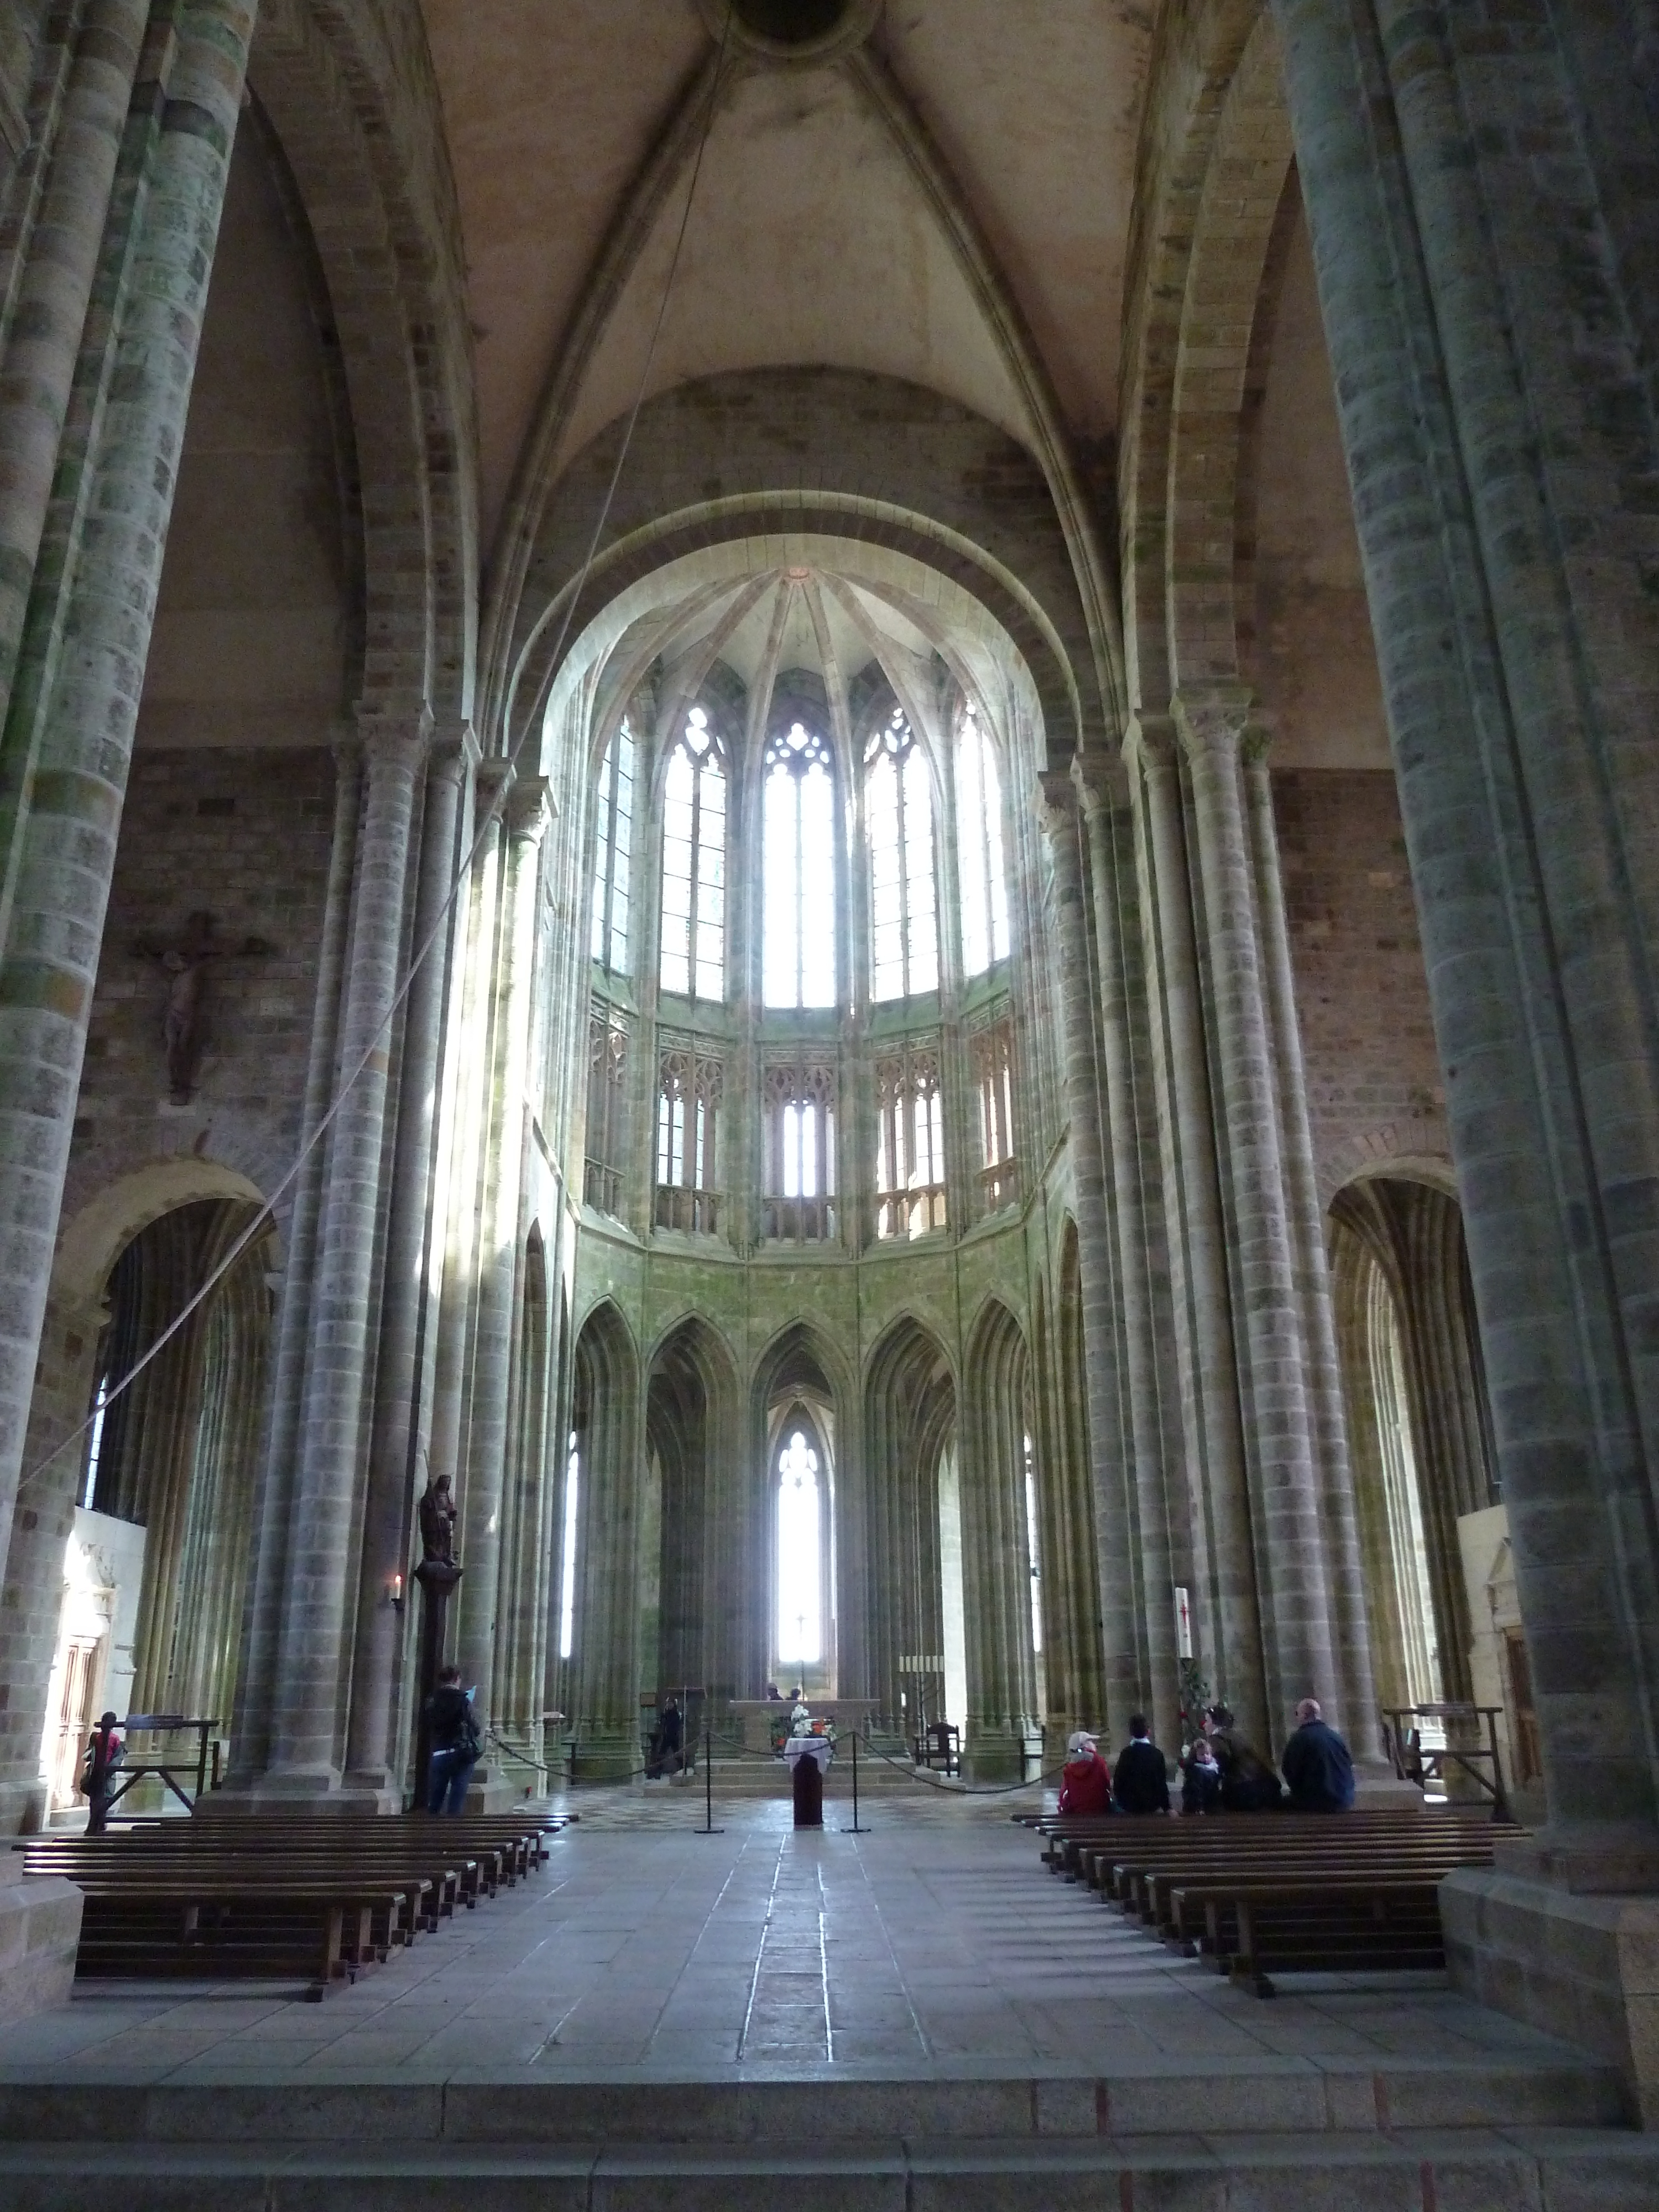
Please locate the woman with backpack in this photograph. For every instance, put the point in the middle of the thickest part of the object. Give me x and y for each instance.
(456, 1743)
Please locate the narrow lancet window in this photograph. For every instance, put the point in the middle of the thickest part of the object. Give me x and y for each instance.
(612, 850)
(800, 1568)
(694, 865)
(798, 955)
(898, 804)
(910, 1195)
(981, 862)
(573, 1472)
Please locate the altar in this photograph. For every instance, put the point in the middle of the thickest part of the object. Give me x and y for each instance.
(758, 1718)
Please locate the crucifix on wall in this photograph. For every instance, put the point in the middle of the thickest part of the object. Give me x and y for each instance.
(186, 964)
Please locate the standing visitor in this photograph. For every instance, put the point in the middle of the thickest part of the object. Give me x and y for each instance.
(1141, 1783)
(455, 1743)
(105, 1752)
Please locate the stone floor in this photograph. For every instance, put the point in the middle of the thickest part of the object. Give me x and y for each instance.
(933, 1945)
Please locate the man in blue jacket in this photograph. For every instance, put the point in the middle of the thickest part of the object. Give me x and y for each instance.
(1317, 1765)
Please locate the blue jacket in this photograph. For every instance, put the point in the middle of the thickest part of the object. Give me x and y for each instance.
(1317, 1766)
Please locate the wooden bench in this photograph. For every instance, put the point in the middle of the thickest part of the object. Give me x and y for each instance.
(1258, 1894)
(292, 1894)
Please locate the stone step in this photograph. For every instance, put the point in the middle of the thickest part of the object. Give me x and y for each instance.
(1519, 2167)
(730, 2108)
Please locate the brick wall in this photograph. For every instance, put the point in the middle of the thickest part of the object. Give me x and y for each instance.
(246, 835)
(1374, 1081)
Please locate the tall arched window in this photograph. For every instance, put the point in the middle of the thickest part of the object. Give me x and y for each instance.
(613, 847)
(981, 863)
(800, 1553)
(898, 813)
(694, 864)
(798, 835)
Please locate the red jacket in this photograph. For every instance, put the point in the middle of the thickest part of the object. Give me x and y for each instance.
(1085, 1786)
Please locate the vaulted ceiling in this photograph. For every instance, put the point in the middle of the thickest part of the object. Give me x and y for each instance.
(813, 237)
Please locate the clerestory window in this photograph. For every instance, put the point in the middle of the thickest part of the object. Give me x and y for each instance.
(690, 1087)
(909, 1145)
(898, 814)
(693, 933)
(798, 863)
(981, 863)
(798, 1201)
(613, 850)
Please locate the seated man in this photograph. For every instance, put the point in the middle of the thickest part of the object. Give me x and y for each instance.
(1085, 1780)
(1141, 1784)
(1317, 1764)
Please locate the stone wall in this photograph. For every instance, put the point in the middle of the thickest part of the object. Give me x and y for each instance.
(245, 836)
(1374, 1082)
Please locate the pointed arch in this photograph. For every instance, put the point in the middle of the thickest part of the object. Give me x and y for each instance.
(910, 1421)
(599, 1564)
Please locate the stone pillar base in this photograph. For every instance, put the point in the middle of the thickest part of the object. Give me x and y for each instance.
(39, 1935)
(609, 1757)
(992, 1756)
(492, 1793)
(22, 1808)
(1586, 1967)
(1377, 1784)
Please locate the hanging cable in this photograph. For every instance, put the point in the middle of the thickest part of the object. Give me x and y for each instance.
(264, 1219)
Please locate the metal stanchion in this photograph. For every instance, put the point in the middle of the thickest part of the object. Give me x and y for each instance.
(708, 1827)
(855, 1829)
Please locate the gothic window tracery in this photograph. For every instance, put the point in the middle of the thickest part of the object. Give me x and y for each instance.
(613, 855)
(693, 926)
(607, 1111)
(800, 1549)
(981, 862)
(992, 1049)
(797, 842)
(689, 1088)
(910, 1199)
(898, 804)
(799, 1105)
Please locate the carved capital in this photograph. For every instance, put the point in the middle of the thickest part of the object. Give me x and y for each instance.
(1102, 786)
(1149, 742)
(393, 730)
(1212, 720)
(455, 753)
(493, 781)
(530, 809)
(1056, 804)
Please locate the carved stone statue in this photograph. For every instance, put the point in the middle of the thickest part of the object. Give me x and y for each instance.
(437, 1511)
(183, 1031)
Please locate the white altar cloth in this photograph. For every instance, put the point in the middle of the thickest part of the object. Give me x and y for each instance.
(811, 1747)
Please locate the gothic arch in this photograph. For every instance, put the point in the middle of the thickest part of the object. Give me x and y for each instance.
(1002, 1688)
(1414, 1381)
(352, 101)
(605, 1422)
(911, 1420)
(696, 1478)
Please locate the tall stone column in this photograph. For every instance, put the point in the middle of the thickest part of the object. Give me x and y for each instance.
(1268, 1321)
(45, 350)
(413, 1280)
(1517, 636)
(262, 1615)
(1322, 1368)
(1125, 1147)
(1125, 1688)
(1228, 1538)
(483, 1492)
(49, 961)
(322, 1557)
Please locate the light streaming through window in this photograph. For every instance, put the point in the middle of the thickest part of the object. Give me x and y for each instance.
(1033, 1556)
(572, 1468)
(797, 953)
(898, 804)
(612, 850)
(800, 1577)
(980, 855)
(694, 865)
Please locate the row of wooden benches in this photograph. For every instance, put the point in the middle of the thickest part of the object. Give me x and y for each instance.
(280, 1896)
(1257, 1894)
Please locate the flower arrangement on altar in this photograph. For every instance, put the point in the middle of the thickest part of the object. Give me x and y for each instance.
(799, 1723)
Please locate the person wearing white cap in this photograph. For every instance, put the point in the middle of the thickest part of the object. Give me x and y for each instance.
(1086, 1781)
